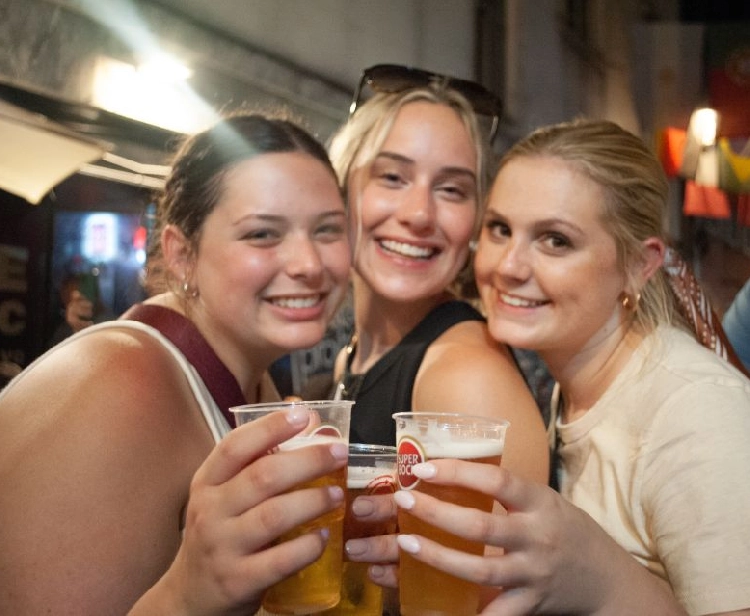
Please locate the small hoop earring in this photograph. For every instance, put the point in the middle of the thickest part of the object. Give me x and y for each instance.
(630, 302)
(187, 292)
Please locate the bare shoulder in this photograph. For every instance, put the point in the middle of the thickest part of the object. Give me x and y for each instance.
(466, 371)
(466, 350)
(106, 370)
(102, 434)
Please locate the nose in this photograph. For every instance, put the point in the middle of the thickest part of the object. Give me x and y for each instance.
(303, 260)
(514, 261)
(417, 210)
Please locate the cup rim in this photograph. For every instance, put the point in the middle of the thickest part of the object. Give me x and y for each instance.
(447, 417)
(285, 404)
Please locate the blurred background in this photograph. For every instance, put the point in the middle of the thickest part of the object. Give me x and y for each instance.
(94, 95)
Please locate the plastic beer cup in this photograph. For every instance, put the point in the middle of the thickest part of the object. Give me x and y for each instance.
(371, 470)
(428, 436)
(316, 587)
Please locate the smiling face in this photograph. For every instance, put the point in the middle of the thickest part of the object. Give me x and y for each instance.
(413, 209)
(273, 258)
(546, 267)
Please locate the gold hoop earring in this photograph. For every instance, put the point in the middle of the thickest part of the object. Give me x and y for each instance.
(187, 292)
(630, 302)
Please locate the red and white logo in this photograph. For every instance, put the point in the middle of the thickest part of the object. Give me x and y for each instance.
(410, 452)
(385, 484)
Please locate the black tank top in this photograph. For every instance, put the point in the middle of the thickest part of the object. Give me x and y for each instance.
(387, 387)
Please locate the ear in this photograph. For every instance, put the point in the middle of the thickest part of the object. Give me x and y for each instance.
(176, 250)
(653, 252)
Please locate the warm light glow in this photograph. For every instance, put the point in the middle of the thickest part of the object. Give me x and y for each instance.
(704, 125)
(150, 95)
(163, 67)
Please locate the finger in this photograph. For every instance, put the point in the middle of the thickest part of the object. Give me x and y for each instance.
(256, 572)
(282, 514)
(496, 529)
(512, 492)
(471, 567)
(248, 442)
(384, 575)
(375, 508)
(381, 549)
(280, 472)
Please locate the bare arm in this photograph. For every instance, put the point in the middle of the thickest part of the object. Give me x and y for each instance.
(98, 449)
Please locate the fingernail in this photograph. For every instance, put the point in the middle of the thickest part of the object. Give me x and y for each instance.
(376, 571)
(336, 493)
(408, 543)
(362, 507)
(340, 451)
(404, 499)
(325, 533)
(297, 415)
(355, 547)
(424, 470)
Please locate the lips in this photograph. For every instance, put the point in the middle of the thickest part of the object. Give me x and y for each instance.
(407, 250)
(520, 302)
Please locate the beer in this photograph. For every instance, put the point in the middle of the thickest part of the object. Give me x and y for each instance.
(371, 471)
(316, 587)
(419, 440)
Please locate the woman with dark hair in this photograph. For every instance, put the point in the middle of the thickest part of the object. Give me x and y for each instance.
(124, 490)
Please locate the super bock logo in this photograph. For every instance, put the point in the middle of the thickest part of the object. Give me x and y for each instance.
(410, 452)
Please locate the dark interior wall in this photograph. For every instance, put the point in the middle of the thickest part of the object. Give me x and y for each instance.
(25, 238)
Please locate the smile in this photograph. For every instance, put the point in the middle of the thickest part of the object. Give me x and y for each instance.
(519, 302)
(296, 302)
(407, 250)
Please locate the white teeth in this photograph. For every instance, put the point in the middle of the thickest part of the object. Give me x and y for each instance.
(407, 250)
(512, 300)
(296, 302)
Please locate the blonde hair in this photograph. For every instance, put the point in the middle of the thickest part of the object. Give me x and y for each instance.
(635, 205)
(358, 142)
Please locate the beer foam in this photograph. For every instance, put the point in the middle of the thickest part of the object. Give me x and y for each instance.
(464, 449)
(298, 442)
(359, 477)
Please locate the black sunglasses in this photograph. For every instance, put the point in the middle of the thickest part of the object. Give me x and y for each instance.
(392, 78)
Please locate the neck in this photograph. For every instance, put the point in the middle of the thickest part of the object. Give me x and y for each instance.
(381, 323)
(586, 375)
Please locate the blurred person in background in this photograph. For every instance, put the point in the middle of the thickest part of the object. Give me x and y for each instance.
(124, 488)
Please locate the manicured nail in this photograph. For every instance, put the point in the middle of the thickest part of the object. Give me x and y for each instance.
(362, 507)
(340, 451)
(297, 415)
(424, 470)
(356, 547)
(404, 499)
(325, 533)
(408, 543)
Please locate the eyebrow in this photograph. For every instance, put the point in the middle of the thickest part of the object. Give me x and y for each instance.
(276, 218)
(400, 158)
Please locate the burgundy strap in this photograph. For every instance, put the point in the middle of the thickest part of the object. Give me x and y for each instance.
(181, 332)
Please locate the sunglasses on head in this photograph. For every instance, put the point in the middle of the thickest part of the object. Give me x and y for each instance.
(393, 78)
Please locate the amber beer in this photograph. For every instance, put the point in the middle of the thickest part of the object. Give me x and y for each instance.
(372, 470)
(316, 587)
(430, 436)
